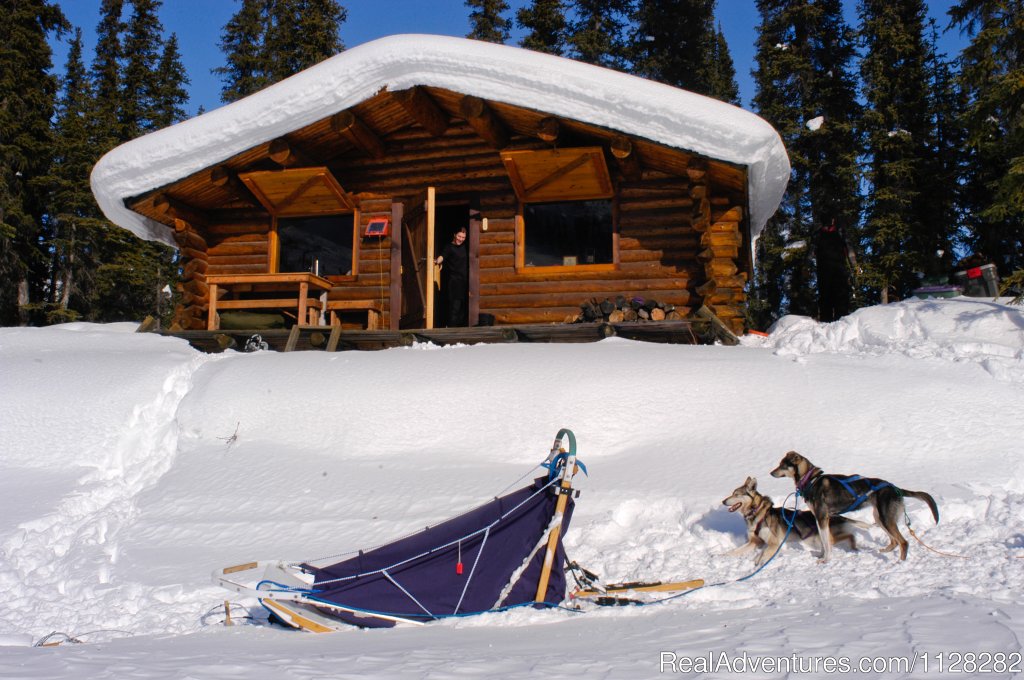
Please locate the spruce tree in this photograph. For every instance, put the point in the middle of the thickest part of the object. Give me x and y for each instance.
(301, 33)
(72, 216)
(596, 32)
(242, 44)
(487, 20)
(676, 42)
(106, 75)
(545, 21)
(992, 78)
(27, 93)
(722, 73)
(268, 40)
(169, 94)
(897, 127)
(806, 89)
(143, 36)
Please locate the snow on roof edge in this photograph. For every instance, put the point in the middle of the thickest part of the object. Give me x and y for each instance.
(512, 75)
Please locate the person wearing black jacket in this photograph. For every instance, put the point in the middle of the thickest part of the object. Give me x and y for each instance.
(835, 264)
(455, 278)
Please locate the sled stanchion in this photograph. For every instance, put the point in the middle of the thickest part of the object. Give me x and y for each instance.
(564, 492)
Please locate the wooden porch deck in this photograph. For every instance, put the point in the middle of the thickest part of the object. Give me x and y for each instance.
(686, 332)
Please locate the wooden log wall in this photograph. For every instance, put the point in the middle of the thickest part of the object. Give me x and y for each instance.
(721, 243)
(677, 242)
(373, 281)
(190, 312)
(658, 247)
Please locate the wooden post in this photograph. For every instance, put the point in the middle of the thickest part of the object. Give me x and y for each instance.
(431, 256)
(395, 302)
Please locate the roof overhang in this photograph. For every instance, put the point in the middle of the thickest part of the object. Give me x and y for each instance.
(561, 87)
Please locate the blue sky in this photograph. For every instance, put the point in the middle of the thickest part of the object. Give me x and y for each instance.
(198, 24)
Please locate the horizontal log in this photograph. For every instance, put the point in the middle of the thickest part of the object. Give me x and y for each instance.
(719, 267)
(286, 154)
(710, 238)
(681, 203)
(169, 208)
(196, 288)
(193, 253)
(725, 252)
(222, 260)
(734, 214)
(681, 241)
(726, 296)
(656, 231)
(530, 315)
(482, 118)
(497, 248)
(418, 103)
(231, 229)
(193, 267)
(238, 249)
(229, 268)
(351, 128)
(585, 288)
(190, 239)
(622, 275)
(548, 300)
(493, 236)
(721, 226)
(661, 255)
(248, 238)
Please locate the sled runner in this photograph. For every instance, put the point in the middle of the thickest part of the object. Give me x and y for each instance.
(504, 554)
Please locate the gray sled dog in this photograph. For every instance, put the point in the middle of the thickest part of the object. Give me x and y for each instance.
(767, 524)
(829, 495)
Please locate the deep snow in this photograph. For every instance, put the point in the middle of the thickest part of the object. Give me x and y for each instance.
(131, 466)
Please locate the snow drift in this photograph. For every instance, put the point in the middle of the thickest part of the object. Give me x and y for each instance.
(131, 466)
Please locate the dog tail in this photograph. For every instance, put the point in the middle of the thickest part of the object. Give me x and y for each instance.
(927, 498)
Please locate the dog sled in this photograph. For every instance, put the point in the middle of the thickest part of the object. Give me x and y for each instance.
(504, 554)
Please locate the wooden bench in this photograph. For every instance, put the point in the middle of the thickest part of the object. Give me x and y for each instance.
(374, 314)
(304, 292)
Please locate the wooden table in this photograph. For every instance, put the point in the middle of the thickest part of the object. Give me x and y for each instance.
(302, 291)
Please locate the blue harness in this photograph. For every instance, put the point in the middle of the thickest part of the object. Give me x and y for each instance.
(846, 481)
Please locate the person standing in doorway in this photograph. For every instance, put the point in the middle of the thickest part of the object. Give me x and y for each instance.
(455, 278)
(836, 263)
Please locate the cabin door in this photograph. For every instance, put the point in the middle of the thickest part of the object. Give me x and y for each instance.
(453, 215)
(418, 253)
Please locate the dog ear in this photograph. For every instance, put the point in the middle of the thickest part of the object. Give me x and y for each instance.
(751, 483)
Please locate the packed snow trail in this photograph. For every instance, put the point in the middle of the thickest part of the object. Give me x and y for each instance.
(59, 569)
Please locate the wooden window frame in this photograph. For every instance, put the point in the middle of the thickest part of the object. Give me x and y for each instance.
(520, 244)
(274, 250)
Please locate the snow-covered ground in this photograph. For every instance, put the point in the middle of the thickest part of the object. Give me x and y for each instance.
(131, 466)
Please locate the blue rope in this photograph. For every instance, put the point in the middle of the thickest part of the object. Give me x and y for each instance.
(790, 521)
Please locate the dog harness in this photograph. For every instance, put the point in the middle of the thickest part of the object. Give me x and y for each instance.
(810, 478)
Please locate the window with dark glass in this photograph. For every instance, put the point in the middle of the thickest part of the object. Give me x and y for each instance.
(322, 244)
(567, 233)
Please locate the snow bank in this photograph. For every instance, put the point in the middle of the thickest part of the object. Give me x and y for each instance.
(131, 466)
(507, 74)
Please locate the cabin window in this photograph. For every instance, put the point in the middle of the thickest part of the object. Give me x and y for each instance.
(567, 234)
(324, 244)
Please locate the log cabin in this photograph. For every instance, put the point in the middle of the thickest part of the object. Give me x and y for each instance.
(326, 197)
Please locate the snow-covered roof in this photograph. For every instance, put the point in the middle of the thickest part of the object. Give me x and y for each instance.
(511, 75)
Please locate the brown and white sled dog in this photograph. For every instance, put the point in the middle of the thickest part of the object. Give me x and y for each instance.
(767, 524)
(828, 495)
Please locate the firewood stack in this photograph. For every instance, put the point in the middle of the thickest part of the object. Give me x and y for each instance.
(624, 309)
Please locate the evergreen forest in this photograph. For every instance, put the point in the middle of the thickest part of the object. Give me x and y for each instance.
(915, 155)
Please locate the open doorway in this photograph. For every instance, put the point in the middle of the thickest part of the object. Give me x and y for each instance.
(450, 218)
